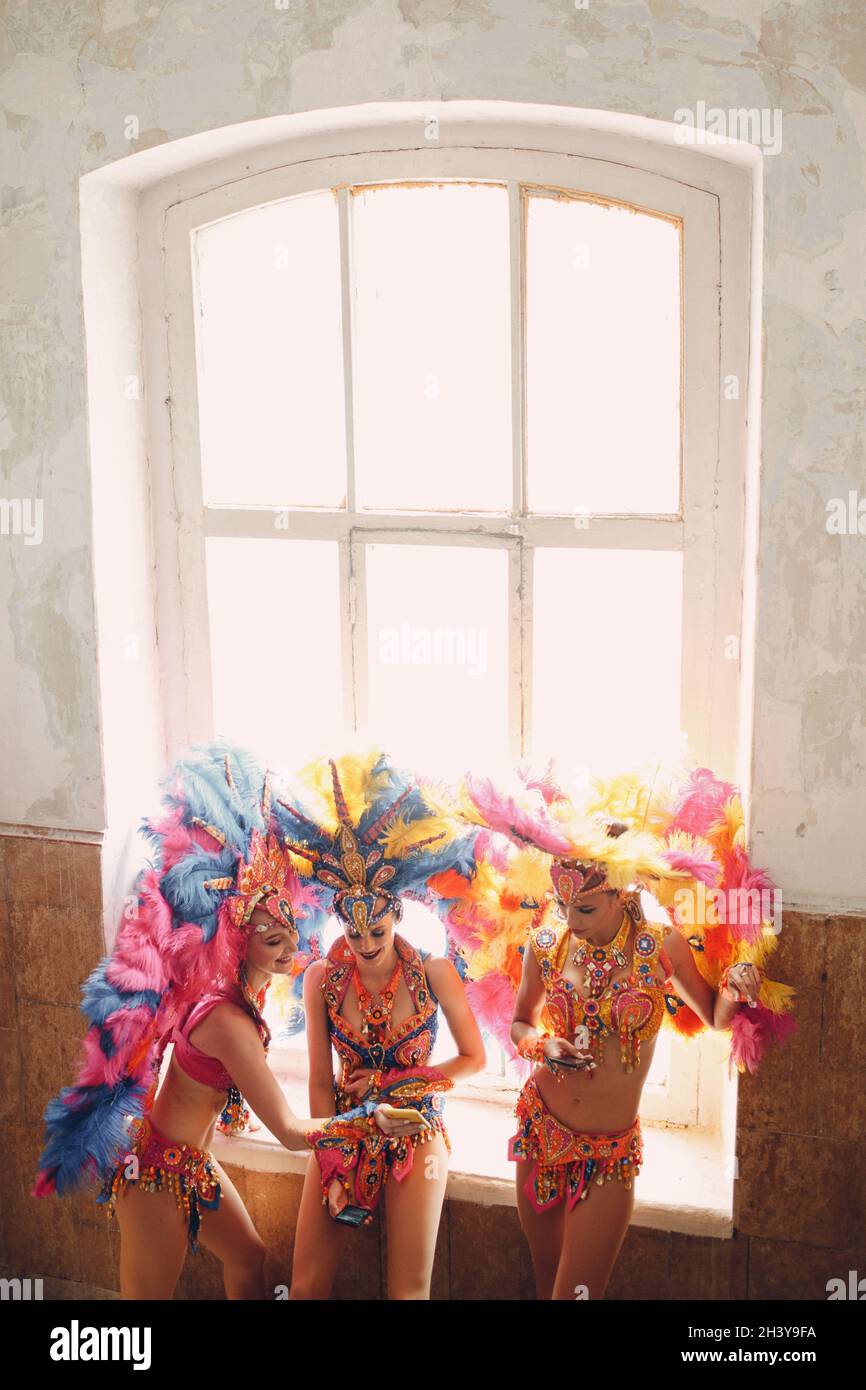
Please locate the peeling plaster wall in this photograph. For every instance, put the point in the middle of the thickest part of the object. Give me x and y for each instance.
(72, 74)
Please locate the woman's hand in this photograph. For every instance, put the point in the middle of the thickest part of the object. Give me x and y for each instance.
(563, 1056)
(743, 984)
(337, 1198)
(397, 1129)
(358, 1082)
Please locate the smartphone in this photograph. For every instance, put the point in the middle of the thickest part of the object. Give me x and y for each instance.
(352, 1216)
(414, 1116)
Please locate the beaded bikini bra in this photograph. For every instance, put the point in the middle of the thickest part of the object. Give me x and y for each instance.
(631, 1008)
(411, 1043)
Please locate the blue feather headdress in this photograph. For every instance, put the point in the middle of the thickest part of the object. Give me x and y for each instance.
(369, 835)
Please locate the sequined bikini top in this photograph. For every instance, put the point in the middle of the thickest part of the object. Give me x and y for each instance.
(631, 1008)
(411, 1043)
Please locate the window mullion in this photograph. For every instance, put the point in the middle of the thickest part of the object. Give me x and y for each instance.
(525, 620)
(517, 263)
(516, 653)
(346, 285)
(354, 619)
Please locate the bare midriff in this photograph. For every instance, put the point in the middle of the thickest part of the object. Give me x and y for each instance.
(604, 1101)
(184, 1110)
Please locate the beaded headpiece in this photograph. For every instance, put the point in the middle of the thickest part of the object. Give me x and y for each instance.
(264, 878)
(367, 835)
(576, 878)
(573, 880)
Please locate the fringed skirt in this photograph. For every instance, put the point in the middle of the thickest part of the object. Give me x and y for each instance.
(565, 1163)
(154, 1163)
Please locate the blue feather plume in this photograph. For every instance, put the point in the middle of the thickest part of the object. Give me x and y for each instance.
(88, 1131)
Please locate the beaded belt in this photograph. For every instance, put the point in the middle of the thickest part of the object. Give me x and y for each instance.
(565, 1162)
(154, 1163)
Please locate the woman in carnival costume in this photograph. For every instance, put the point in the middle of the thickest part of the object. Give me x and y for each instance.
(563, 964)
(368, 837)
(217, 917)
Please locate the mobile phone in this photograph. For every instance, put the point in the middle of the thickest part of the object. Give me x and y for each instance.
(352, 1216)
(394, 1113)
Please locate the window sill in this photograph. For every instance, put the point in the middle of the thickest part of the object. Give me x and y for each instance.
(684, 1185)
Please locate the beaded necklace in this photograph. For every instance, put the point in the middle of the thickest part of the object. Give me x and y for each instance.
(600, 961)
(376, 1012)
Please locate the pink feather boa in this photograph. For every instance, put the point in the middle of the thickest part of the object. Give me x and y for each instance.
(753, 1031)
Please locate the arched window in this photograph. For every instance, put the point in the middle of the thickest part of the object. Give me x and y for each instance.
(447, 441)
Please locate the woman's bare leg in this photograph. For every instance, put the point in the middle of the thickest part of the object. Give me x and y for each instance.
(543, 1231)
(593, 1236)
(229, 1234)
(412, 1211)
(153, 1242)
(319, 1242)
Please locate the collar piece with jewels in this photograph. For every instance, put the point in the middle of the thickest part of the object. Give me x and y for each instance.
(600, 961)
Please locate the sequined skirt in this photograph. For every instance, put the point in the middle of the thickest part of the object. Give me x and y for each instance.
(565, 1163)
(154, 1163)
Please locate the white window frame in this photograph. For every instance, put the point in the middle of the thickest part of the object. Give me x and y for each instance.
(709, 198)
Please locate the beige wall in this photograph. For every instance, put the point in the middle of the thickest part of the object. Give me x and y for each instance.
(73, 77)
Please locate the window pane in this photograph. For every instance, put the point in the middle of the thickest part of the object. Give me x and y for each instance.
(603, 359)
(432, 347)
(276, 672)
(270, 355)
(659, 1073)
(438, 654)
(606, 675)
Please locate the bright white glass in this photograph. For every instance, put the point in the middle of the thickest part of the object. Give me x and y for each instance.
(270, 355)
(660, 1066)
(607, 659)
(603, 359)
(275, 647)
(438, 654)
(432, 348)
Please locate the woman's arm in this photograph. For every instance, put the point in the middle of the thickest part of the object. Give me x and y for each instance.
(528, 1008)
(229, 1034)
(712, 1006)
(449, 990)
(530, 999)
(321, 1079)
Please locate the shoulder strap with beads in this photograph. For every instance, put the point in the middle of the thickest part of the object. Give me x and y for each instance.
(339, 967)
(648, 937)
(414, 973)
(546, 942)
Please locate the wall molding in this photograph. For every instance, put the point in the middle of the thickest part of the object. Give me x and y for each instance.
(47, 832)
